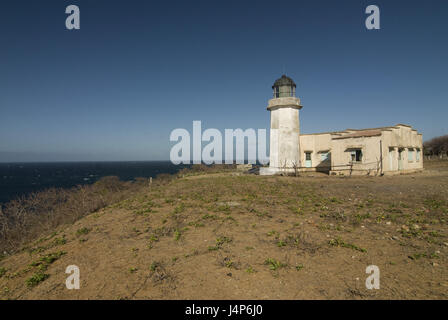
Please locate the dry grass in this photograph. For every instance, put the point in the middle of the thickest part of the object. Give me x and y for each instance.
(222, 236)
(28, 217)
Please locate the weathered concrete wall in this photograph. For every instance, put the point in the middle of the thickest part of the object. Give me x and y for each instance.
(285, 131)
(380, 150)
(314, 143)
(408, 141)
(370, 159)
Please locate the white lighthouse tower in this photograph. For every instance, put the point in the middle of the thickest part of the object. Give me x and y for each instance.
(284, 137)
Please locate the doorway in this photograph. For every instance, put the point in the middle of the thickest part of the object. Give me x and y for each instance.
(391, 158)
(400, 159)
(308, 160)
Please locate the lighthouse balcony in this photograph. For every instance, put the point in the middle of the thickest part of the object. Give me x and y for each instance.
(291, 102)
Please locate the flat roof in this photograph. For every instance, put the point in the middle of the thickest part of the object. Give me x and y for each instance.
(367, 132)
(361, 133)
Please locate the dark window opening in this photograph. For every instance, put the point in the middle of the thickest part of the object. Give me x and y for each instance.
(356, 155)
(308, 156)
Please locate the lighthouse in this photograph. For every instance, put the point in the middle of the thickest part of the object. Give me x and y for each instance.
(285, 129)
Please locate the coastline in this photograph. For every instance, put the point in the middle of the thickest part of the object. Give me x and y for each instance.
(18, 179)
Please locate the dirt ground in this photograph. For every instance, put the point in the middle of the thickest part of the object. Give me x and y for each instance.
(229, 236)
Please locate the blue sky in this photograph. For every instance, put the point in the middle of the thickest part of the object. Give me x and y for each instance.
(136, 70)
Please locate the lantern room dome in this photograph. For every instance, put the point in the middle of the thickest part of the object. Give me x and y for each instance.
(284, 87)
(284, 81)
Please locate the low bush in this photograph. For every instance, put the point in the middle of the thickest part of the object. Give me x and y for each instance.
(27, 217)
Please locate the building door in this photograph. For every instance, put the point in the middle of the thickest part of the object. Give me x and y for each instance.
(400, 159)
(391, 158)
(308, 159)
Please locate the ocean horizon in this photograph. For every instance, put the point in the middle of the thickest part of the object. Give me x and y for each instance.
(22, 178)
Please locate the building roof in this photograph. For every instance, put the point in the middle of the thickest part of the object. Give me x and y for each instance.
(357, 133)
(361, 133)
(284, 81)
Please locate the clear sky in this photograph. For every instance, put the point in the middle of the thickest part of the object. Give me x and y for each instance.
(137, 69)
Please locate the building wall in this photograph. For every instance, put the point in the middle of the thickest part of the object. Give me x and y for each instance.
(316, 144)
(370, 155)
(379, 152)
(406, 139)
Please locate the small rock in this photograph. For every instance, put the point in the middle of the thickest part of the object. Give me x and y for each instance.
(434, 264)
(229, 203)
(388, 223)
(395, 238)
(405, 228)
(416, 226)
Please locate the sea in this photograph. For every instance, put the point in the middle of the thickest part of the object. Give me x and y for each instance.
(20, 179)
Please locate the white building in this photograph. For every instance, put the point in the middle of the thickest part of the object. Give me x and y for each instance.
(374, 151)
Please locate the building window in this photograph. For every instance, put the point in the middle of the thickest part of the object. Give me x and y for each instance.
(418, 155)
(411, 155)
(308, 156)
(323, 156)
(356, 155)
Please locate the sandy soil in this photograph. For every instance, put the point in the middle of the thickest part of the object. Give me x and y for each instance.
(250, 237)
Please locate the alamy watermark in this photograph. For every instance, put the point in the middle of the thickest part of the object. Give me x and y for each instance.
(373, 20)
(373, 280)
(73, 21)
(188, 148)
(72, 281)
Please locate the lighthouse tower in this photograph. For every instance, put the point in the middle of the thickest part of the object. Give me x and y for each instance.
(285, 131)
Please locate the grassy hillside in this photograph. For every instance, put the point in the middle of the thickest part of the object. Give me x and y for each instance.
(233, 236)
